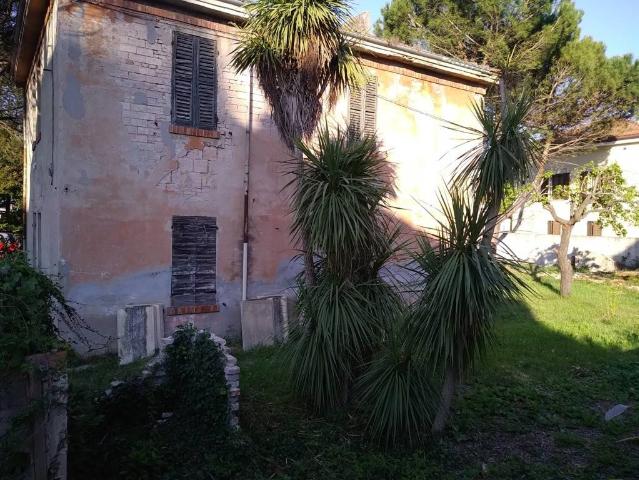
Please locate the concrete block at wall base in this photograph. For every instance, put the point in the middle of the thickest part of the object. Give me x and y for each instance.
(264, 321)
(140, 329)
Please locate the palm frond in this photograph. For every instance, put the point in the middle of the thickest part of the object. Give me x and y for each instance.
(338, 327)
(299, 53)
(396, 390)
(506, 154)
(339, 198)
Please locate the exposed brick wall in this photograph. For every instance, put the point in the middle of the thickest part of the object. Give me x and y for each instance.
(122, 171)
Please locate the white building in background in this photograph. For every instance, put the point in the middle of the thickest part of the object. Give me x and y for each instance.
(535, 237)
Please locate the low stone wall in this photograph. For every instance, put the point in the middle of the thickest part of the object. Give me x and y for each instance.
(231, 371)
(44, 388)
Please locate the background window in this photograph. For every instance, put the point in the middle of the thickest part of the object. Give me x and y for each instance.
(559, 179)
(594, 229)
(554, 228)
(193, 261)
(194, 92)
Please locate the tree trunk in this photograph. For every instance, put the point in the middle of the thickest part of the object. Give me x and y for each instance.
(493, 217)
(449, 388)
(565, 267)
(309, 264)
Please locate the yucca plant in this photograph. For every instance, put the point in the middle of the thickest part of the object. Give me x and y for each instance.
(303, 61)
(396, 391)
(339, 205)
(464, 283)
(505, 154)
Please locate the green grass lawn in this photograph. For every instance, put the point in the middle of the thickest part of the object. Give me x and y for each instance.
(533, 410)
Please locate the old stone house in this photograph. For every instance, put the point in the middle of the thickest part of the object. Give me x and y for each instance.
(153, 170)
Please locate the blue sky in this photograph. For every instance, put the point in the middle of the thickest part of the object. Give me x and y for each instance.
(614, 22)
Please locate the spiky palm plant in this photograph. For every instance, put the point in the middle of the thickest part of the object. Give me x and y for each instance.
(396, 390)
(464, 283)
(299, 53)
(302, 61)
(506, 154)
(339, 202)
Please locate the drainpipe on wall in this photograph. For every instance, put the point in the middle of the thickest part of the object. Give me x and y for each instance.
(249, 131)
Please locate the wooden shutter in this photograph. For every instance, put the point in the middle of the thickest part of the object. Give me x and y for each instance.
(194, 261)
(194, 81)
(363, 109)
(370, 107)
(356, 107)
(594, 229)
(183, 82)
(554, 228)
(206, 84)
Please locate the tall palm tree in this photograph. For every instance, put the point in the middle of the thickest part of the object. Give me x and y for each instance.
(303, 61)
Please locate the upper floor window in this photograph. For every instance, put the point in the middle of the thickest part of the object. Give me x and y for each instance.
(194, 89)
(548, 186)
(362, 111)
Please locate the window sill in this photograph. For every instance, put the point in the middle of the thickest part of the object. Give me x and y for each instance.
(191, 310)
(194, 132)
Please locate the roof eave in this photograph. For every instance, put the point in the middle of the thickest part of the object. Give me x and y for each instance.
(233, 10)
(28, 31)
(424, 60)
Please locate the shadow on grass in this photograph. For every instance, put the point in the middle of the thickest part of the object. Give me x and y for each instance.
(534, 271)
(533, 409)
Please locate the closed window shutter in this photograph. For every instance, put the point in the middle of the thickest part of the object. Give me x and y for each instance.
(554, 228)
(193, 268)
(356, 107)
(594, 229)
(194, 82)
(363, 109)
(206, 84)
(183, 85)
(370, 110)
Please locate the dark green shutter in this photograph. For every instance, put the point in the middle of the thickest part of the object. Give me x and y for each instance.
(206, 85)
(193, 261)
(183, 88)
(194, 82)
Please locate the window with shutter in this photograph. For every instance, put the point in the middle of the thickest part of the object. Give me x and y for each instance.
(194, 82)
(559, 179)
(554, 228)
(363, 109)
(194, 261)
(594, 229)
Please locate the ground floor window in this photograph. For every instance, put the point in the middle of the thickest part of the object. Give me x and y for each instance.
(193, 261)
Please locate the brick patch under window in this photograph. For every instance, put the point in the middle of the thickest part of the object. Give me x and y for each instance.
(191, 310)
(194, 132)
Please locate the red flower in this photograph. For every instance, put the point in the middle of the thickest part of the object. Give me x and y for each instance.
(12, 248)
(1, 246)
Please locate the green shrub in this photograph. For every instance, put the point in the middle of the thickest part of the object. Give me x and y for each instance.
(31, 308)
(196, 383)
(171, 430)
